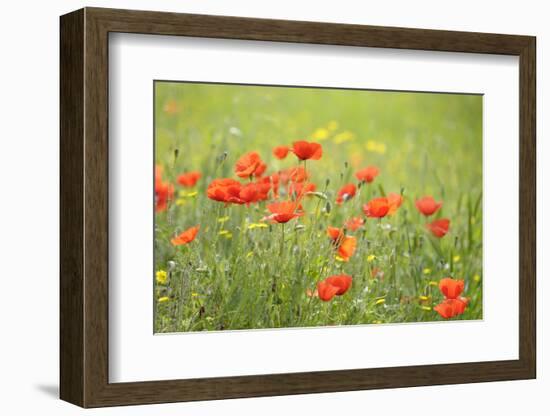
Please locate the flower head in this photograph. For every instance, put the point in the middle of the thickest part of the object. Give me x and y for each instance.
(296, 174)
(260, 169)
(281, 152)
(395, 201)
(189, 179)
(185, 237)
(326, 291)
(342, 282)
(344, 244)
(427, 205)
(367, 174)
(336, 234)
(271, 182)
(284, 211)
(354, 223)
(307, 150)
(164, 191)
(450, 308)
(439, 227)
(225, 190)
(299, 189)
(345, 193)
(332, 286)
(161, 277)
(377, 207)
(451, 288)
(254, 192)
(347, 247)
(248, 164)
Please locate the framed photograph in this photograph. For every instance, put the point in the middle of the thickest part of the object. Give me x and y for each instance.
(255, 207)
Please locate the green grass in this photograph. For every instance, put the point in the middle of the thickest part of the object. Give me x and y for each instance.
(424, 144)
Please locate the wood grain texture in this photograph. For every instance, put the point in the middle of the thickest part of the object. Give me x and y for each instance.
(84, 207)
(71, 185)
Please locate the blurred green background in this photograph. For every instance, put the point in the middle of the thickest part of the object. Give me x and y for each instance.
(424, 142)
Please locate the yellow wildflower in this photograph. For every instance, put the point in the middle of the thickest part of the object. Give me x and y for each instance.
(456, 259)
(423, 298)
(186, 194)
(375, 147)
(343, 137)
(180, 202)
(226, 233)
(320, 134)
(433, 283)
(427, 270)
(161, 277)
(223, 219)
(257, 225)
(164, 299)
(426, 308)
(380, 301)
(370, 258)
(477, 277)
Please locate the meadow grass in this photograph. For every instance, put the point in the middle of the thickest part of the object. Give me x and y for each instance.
(244, 273)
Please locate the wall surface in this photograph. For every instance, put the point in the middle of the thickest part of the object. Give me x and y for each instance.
(29, 211)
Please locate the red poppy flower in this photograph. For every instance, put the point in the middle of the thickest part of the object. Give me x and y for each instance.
(307, 150)
(273, 182)
(254, 192)
(263, 185)
(439, 227)
(283, 212)
(189, 179)
(297, 174)
(247, 164)
(342, 282)
(377, 208)
(260, 169)
(225, 190)
(345, 193)
(185, 237)
(367, 174)
(281, 152)
(345, 245)
(326, 291)
(354, 223)
(299, 189)
(450, 308)
(335, 234)
(427, 205)
(333, 286)
(395, 201)
(158, 174)
(451, 288)
(164, 191)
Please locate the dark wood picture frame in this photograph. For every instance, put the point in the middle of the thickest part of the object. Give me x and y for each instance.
(84, 207)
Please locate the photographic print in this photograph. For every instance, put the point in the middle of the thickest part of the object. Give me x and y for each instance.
(291, 206)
